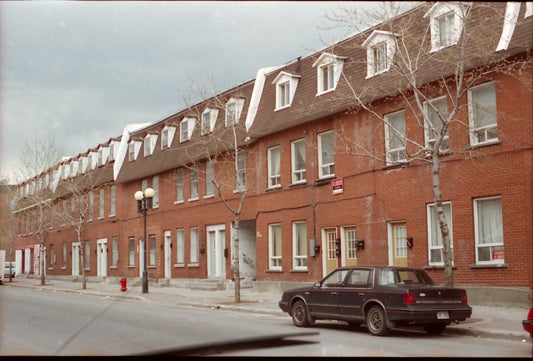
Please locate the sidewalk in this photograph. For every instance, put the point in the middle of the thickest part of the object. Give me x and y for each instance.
(488, 322)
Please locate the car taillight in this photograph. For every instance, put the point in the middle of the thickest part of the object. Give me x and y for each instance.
(464, 298)
(409, 298)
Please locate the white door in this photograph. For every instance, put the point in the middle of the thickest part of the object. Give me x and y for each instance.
(76, 258)
(101, 257)
(216, 241)
(167, 254)
(141, 257)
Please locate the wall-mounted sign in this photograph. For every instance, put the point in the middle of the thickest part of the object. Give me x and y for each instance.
(337, 186)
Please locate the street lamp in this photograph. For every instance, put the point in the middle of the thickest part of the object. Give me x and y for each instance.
(144, 203)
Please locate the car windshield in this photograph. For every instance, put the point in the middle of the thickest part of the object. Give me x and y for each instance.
(395, 276)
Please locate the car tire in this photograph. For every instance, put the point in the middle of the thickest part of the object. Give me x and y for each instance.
(435, 328)
(299, 314)
(376, 321)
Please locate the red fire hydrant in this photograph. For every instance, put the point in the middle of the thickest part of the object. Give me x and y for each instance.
(123, 282)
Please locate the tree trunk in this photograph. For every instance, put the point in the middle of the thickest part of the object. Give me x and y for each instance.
(82, 265)
(445, 231)
(236, 265)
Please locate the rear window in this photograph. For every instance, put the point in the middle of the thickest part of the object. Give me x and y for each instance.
(394, 276)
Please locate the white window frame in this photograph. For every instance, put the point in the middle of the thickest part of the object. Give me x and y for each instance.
(209, 117)
(186, 128)
(322, 167)
(429, 128)
(240, 172)
(274, 247)
(499, 245)
(298, 174)
(286, 85)
(113, 197)
(237, 104)
(299, 259)
(167, 136)
(194, 171)
(193, 241)
(325, 61)
(133, 151)
(274, 167)
(155, 187)
(438, 246)
(379, 38)
(209, 178)
(446, 10)
(152, 257)
(131, 252)
(180, 246)
(114, 252)
(179, 185)
(398, 154)
(101, 204)
(486, 130)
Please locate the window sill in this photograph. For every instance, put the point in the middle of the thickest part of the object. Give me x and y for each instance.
(113, 267)
(324, 180)
(178, 202)
(398, 164)
(491, 265)
(193, 265)
(270, 189)
(130, 266)
(437, 267)
(209, 196)
(283, 107)
(484, 144)
(274, 271)
(179, 265)
(299, 270)
(194, 199)
(296, 184)
(325, 92)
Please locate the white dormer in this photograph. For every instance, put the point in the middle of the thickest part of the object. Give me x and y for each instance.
(209, 118)
(113, 147)
(286, 85)
(149, 144)
(234, 108)
(186, 128)
(74, 167)
(446, 23)
(329, 69)
(380, 48)
(167, 136)
(134, 146)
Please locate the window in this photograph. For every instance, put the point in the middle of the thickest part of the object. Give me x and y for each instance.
(299, 230)
(64, 262)
(351, 243)
(101, 204)
(240, 177)
(436, 115)
(274, 178)
(194, 245)
(298, 161)
(144, 184)
(113, 201)
(326, 153)
(164, 138)
(72, 210)
(87, 255)
(152, 251)
(209, 179)
(488, 230)
(482, 114)
(100, 157)
(380, 57)
(233, 111)
(194, 181)
(446, 23)
(285, 89)
(186, 128)
(179, 185)
(395, 137)
(133, 150)
(435, 247)
(131, 258)
(380, 49)
(149, 144)
(111, 151)
(91, 206)
(274, 239)
(167, 135)
(114, 252)
(329, 69)
(155, 186)
(209, 117)
(180, 246)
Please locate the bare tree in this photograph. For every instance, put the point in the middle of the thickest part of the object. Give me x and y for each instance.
(34, 197)
(416, 73)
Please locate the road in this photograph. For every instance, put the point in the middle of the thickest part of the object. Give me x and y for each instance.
(38, 322)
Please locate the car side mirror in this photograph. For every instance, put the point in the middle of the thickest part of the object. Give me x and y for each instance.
(317, 284)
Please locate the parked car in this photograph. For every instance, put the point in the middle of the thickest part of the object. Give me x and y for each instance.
(6, 269)
(381, 297)
(528, 324)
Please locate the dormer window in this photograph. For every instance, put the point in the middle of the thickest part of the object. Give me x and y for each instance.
(186, 128)
(100, 157)
(167, 135)
(133, 150)
(446, 23)
(329, 69)
(380, 50)
(149, 144)
(209, 117)
(111, 151)
(285, 89)
(233, 111)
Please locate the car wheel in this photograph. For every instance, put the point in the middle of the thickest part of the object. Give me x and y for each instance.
(376, 321)
(435, 328)
(299, 314)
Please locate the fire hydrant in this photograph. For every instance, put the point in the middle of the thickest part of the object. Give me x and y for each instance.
(123, 282)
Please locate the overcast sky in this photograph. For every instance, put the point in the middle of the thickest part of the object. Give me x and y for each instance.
(81, 71)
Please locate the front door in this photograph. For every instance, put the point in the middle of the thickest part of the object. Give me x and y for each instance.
(76, 258)
(399, 244)
(101, 257)
(332, 261)
(349, 247)
(216, 241)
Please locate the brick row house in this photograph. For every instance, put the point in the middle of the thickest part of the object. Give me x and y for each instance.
(333, 157)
